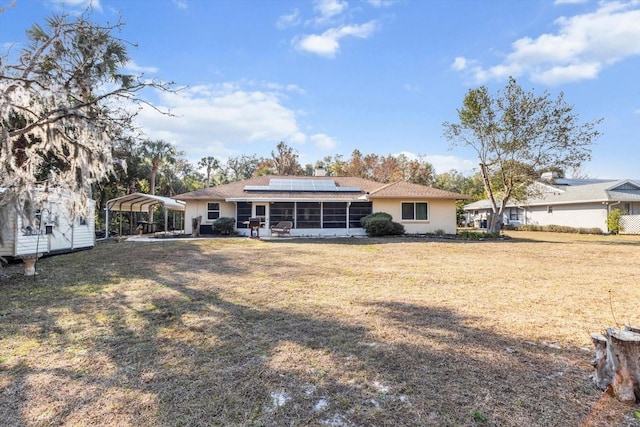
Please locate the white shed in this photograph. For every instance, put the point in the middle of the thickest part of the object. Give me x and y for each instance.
(55, 230)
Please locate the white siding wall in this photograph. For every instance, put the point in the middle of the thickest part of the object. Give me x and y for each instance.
(28, 245)
(441, 214)
(10, 237)
(587, 215)
(84, 235)
(66, 236)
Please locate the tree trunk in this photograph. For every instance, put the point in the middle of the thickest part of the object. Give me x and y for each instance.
(494, 224)
(195, 225)
(617, 362)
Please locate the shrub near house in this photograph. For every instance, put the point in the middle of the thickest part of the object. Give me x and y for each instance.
(224, 225)
(381, 224)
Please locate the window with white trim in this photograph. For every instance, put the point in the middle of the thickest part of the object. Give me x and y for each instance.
(213, 210)
(415, 211)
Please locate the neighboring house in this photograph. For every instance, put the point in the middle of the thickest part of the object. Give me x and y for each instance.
(55, 230)
(580, 203)
(321, 205)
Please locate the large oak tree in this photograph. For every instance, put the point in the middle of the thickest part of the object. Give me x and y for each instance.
(516, 135)
(64, 104)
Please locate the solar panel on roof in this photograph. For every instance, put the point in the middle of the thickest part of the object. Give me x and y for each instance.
(301, 185)
(308, 185)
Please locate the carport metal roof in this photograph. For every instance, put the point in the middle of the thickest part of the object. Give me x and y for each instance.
(140, 202)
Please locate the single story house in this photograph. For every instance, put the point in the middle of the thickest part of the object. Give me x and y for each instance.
(320, 205)
(580, 203)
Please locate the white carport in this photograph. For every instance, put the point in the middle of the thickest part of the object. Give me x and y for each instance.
(140, 202)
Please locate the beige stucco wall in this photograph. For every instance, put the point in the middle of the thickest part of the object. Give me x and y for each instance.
(441, 214)
(195, 208)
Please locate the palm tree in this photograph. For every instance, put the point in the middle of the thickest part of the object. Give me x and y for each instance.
(157, 153)
(210, 163)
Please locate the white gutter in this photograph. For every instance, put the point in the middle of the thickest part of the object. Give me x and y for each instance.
(609, 205)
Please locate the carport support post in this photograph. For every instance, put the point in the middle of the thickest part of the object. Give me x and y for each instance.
(166, 219)
(106, 222)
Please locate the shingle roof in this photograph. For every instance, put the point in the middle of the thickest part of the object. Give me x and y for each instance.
(403, 189)
(480, 204)
(607, 191)
(368, 189)
(593, 192)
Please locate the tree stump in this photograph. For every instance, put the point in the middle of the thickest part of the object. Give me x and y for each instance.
(195, 225)
(617, 362)
(30, 264)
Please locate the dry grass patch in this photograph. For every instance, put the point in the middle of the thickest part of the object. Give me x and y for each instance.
(317, 332)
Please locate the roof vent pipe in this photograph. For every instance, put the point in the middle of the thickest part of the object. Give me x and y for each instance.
(549, 176)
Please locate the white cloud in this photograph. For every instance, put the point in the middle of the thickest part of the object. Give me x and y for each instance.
(181, 4)
(323, 141)
(582, 71)
(446, 163)
(328, 10)
(291, 20)
(276, 87)
(295, 88)
(581, 48)
(459, 64)
(381, 3)
(132, 66)
(78, 4)
(327, 44)
(222, 120)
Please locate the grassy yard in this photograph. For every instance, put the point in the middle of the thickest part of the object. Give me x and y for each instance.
(353, 332)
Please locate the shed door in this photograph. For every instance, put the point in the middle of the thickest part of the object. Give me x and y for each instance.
(62, 237)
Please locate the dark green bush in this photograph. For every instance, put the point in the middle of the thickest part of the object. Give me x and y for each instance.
(378, 227)
(381, 224)
(224, 225)
(398, 229)
(375, 215)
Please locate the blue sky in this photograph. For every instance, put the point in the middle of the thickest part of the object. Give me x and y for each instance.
(381, 76)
